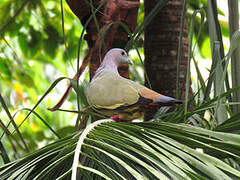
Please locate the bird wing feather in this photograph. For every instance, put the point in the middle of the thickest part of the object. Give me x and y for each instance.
(111, 91)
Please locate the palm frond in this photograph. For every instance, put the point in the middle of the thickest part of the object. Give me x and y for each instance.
(147, 150)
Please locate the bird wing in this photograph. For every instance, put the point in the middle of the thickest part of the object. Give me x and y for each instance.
(111, 91)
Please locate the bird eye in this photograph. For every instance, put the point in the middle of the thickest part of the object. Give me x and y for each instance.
(123, 53)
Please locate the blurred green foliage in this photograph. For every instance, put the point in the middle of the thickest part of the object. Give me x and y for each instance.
(32, 56)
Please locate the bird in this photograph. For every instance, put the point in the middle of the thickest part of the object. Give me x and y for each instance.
(120, 98)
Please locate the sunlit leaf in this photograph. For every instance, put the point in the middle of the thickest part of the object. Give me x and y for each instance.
(25, 78)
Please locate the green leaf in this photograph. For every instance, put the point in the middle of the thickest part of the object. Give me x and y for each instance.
(14, 28)
(22, 41)
(205, 48)
(133, 151)
(35, 41)
(230, 125)
(199, 75)
(4, 68)
(25, 78)
(66, 131)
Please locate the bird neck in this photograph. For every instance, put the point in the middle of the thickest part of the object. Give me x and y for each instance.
(106, 66)
(109, 65)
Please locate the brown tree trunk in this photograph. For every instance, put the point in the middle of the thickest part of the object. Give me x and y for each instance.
(112, 11)
(161, 47)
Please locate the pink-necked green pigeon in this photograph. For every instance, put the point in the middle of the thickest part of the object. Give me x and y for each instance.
(124, 100)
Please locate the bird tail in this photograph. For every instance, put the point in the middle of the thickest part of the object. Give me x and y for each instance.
(166, 101)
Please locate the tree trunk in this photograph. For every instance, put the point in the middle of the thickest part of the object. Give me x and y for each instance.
(161, 47)
(235, 58)
(112, 11)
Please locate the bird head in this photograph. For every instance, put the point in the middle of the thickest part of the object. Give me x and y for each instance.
(119, 56)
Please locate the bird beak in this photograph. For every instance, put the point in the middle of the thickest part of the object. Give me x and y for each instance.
(130, 62)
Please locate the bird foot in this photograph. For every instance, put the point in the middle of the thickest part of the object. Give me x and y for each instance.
(116, 118)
